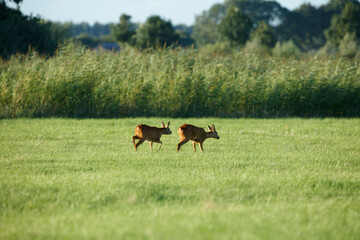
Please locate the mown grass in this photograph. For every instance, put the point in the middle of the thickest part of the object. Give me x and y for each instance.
(177, 83)
(264, 179)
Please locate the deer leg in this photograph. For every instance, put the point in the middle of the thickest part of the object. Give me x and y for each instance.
(194, 146)
(201, 146)
(158, 141)
(139, 143)
(181, 143)
(133, 140)
(160, 144)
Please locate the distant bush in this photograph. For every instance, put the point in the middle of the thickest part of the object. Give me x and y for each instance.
(328, 50)
(349, 46)
(256, 46)
(262, 40)
(217, 48)
(176, 83)
(286, 49)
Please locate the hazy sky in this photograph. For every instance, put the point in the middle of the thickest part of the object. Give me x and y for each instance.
(108, 11)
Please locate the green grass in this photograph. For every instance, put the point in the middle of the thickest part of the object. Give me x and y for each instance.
(264, 179)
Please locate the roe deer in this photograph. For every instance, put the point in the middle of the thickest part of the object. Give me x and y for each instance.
(152, 134)
(196, 135)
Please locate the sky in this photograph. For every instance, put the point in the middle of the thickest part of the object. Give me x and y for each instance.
(109, 11)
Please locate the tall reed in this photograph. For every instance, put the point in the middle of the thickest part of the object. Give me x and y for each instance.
(177, 83)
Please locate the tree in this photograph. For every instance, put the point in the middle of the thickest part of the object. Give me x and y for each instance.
(206, 24)
(304, 26)
(348, 22)
(235, 26)
(265, 35)
(20, 32)
(184, 33)
(156, 32)
(125, 30)
(259, 10)
(336, 6)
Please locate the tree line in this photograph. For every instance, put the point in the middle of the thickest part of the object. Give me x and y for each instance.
(257, 25)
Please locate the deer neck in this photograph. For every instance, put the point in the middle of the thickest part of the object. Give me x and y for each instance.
(162, 130)
(207, 135)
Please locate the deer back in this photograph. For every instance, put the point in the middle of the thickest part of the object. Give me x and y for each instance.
(192, 132)
(147, 132)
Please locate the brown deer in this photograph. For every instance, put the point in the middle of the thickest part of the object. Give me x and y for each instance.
(196, 135)
(152, 134)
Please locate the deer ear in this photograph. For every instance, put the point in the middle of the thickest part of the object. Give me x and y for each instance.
(213, 127)
(209, 127)
(167, 125)
(162, 124)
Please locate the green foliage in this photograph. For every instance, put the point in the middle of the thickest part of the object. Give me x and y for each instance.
(19, 33)
(286, 49)
(235, 26)
(255, 46)
(265, 35)
(88, 41)
(328, 50)
(178, 83)
(336, 6)
(95, 30)
(305, 27)
(125, 30)
(61, 30)
(263, 179)
(93, 42)
(263, 39)
(206, 25)
(349, 45)
(219, 48)
(346, 23)
(155, 33)
(270, 12)
(184, 32)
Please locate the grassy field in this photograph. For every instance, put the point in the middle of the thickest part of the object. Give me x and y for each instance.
(264, 179)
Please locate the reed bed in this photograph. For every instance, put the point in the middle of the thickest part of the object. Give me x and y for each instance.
(83, 83)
